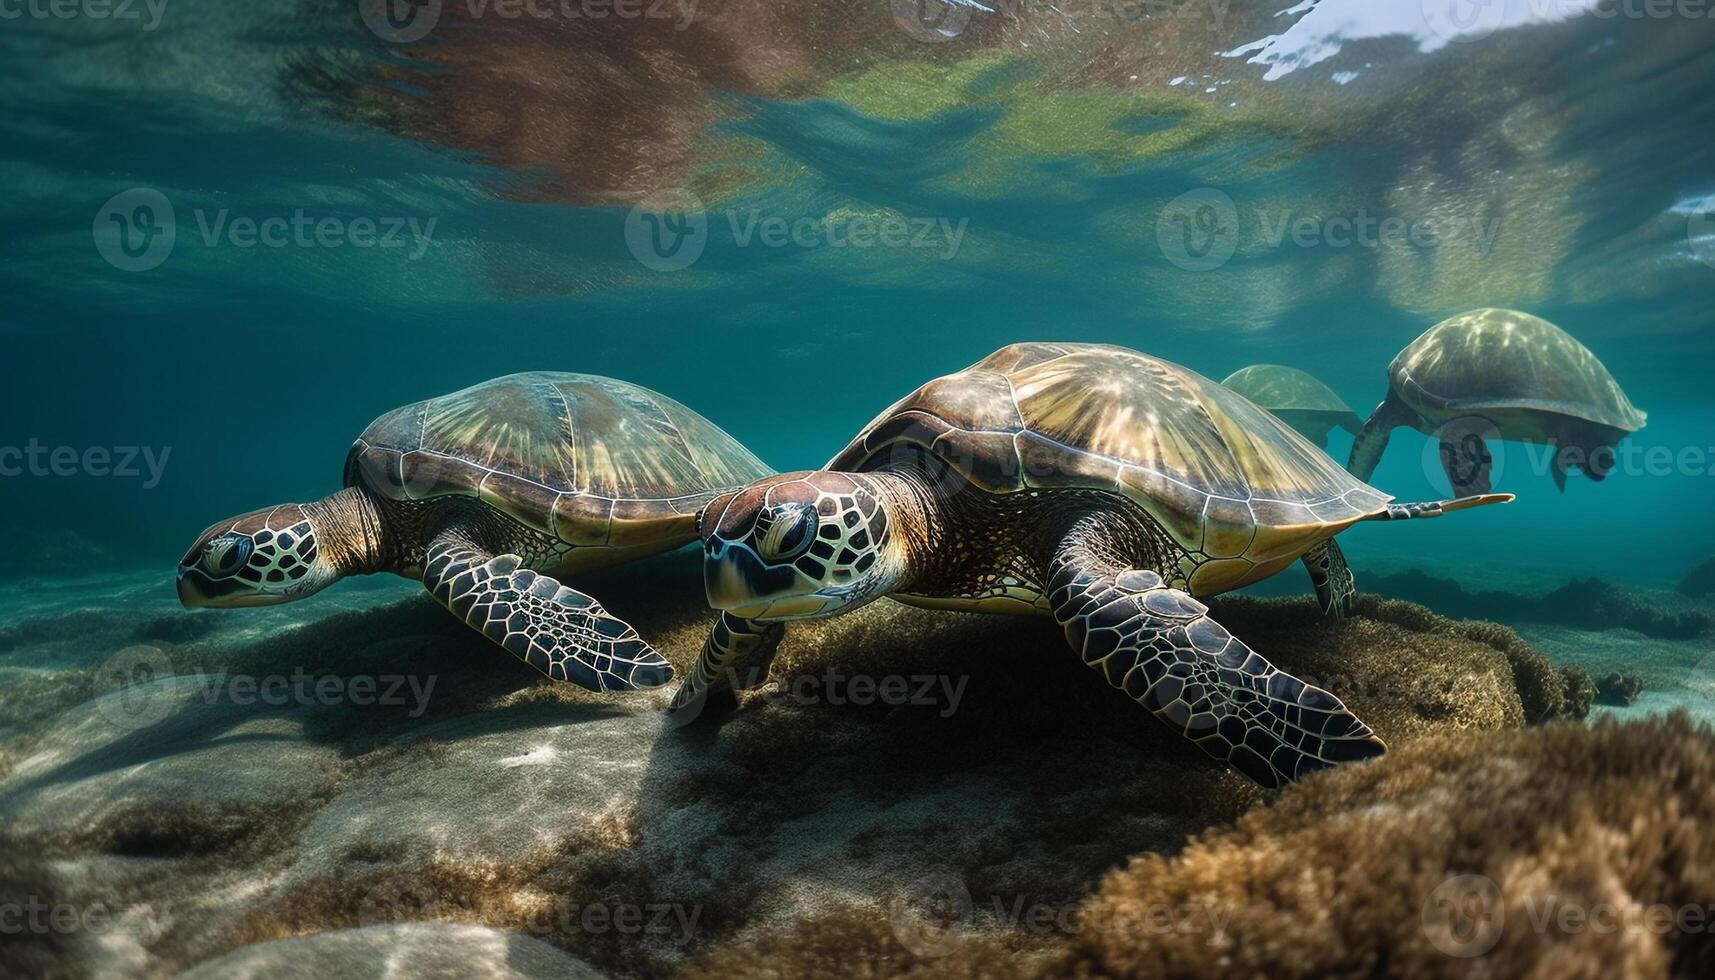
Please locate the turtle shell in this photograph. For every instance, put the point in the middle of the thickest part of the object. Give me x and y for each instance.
(1241, 492)
(590, 460)
(1291, 394)
(1506, 364)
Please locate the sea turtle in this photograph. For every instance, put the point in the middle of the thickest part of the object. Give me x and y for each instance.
(1296, 398)
(1495, 373)
(1092, 483)
(484, 494)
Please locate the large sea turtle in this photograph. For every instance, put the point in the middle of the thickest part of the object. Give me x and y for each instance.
(1296, 398)
(1495, 373)
(483, 495)
(1091, 483)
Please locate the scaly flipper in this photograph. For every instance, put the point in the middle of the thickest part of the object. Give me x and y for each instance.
(1332, 577)
(735, 657)
(1371, 440)
(1465, 455)
(1435, 508)
(557, 630)
(1159, 646)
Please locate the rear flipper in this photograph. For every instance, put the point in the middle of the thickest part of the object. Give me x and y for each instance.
(557, 630)
(1332, 578)
(1435, 508)
(735, 657)
(1465, 455)
(1159, 646)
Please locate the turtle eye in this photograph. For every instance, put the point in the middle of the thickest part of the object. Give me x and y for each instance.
(789, 533)
(226, 554)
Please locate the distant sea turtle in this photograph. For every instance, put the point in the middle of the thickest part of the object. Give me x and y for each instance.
(1297, 398)
(1091, 483)
(1502, 374)
(485, 493)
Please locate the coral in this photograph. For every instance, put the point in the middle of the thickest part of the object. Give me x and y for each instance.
(1584, 603)
(1619, 689)
(1580, 689)
(1560, 850)
(1448, 849)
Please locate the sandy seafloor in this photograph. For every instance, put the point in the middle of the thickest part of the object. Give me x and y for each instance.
(324, 835)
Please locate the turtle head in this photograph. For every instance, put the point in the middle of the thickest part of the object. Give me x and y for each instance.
(260, 559)
(799, 546)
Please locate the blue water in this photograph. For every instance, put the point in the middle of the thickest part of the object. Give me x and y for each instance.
(1049, 145)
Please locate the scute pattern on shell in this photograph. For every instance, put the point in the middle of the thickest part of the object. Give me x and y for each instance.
(593, 460)
(1228, 480)
(1279, 388)
(1495, 359)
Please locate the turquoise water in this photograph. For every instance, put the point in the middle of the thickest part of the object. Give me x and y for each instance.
(233, 234)
(1560, 165)
(1561, 162)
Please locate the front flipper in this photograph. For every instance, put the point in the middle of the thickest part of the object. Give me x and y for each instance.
(1159, 646)
(735, 657)
(1372, 437)
(557, 630)
(1332, 577)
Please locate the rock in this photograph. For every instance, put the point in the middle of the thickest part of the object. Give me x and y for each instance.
(1620, 690)
(890, 747)
(422, 951)
(1561, 850)
(1585, 603)
(1700, 581)
(161, 768)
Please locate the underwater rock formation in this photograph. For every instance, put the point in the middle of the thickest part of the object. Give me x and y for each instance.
(1700, 581)
(417, 950)
(1553, 851)
(891, 745)
(1588, 603)
(1619, 689)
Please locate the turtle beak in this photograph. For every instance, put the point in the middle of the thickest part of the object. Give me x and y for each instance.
(737, 581)
(189, 597)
